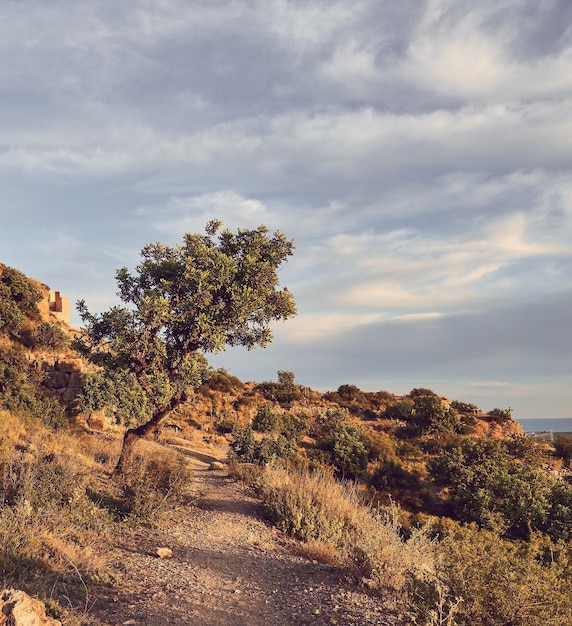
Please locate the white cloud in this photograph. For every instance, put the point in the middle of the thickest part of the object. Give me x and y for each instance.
(191, 213)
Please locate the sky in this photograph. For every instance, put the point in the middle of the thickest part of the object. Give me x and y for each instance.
(419, 152)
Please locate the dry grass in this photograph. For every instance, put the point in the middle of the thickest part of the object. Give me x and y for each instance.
(317, 551)
(50, 530)
(314, 507)
(156, 481)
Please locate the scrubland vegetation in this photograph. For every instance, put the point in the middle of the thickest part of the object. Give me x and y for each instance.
(450, 514)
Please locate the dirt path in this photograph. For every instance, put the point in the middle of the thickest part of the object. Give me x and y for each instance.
(229, 568)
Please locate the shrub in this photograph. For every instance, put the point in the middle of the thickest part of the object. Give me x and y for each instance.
(266, 419)
(380, 446)
(431, 415)
(154, 484)
(221, 380)
(391, 476)
(285, 391)
(464, 407)
(563, 448)
(20, 389)
(488, 485)
(50, 336)
(247, 448)
(19, 299)
(484, 581)
(400, 411)
(421, 391)
(500, 415)
(313, 506)
(345, 444)
(49, 527)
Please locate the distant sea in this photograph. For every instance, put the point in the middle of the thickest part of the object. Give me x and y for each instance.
(548, 424)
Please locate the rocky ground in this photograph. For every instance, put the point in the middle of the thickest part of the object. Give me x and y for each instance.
(229, 567)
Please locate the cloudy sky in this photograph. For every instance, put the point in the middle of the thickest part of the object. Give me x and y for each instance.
(419, 152)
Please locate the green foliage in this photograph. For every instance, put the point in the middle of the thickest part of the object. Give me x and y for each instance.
(344, 442)
(421, 391)
(118, 393)
(400, 411)
(221, 380)
(285, 391)
(392, 478)
(19, 298)
(431, 415)
(266, 419)
(363, 404)
(489, 485)
(50, 336)
(482, 580)
(563, 448)
(184, 301)
(500, 415)
(464, 407)
(21, 392)
(247, 448)
(380, 445)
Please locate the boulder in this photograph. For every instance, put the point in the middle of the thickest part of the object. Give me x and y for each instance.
(19, 609)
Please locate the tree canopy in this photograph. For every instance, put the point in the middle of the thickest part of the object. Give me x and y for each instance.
(213, 290)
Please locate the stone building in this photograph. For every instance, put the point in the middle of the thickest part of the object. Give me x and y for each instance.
(55, 305)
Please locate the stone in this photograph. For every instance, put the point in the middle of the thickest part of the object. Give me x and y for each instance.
(19, 609)
(98, 420)
(217, 465)
(75, 380)
(56, 380)
(164, 553)
(69, 366)
(70, 394)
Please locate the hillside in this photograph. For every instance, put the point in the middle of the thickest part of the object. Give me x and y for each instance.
(279, 504)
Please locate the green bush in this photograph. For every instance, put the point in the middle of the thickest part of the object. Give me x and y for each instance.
(285, 391)
(50, 336)
(266, 420)
(464, 407)
(19, 299)
(431, 415)
(481, 580)
(344, 442)
(400, 411)
(489, 485)
(221, 380)
(500, 415)
(21, 391)
(380, 446)
(247, 448)
(563, 448)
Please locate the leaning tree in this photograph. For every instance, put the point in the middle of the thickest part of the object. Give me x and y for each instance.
(214, 290)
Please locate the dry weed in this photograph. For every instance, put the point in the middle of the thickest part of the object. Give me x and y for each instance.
(314, 507)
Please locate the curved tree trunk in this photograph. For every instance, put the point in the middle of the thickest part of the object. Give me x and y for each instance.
(148, 430)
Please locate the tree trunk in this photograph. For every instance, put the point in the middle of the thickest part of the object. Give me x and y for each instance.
(145, 431)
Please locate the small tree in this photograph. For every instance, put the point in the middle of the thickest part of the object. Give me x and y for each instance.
(184, 301)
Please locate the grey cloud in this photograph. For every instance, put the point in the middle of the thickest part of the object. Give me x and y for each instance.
(430, 138)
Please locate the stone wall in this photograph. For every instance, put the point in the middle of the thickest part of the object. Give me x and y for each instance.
(63, 378)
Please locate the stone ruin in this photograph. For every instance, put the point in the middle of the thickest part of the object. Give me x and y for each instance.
(55, 305)
(63, 379)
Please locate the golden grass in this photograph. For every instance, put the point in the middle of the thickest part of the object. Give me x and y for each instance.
(314, 507)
